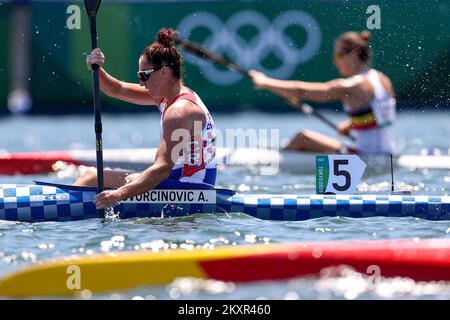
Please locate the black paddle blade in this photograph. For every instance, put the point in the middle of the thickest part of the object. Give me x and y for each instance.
(92, 7)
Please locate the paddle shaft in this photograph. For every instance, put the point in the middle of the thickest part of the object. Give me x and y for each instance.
(201, 52)
(97, 110)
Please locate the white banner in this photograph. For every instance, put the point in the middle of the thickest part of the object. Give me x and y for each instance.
(174, 196)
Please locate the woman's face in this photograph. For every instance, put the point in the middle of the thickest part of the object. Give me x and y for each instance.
(155, 77)
(344, 61)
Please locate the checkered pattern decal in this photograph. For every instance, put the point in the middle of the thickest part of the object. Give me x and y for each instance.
(303, 207)
(33, 203)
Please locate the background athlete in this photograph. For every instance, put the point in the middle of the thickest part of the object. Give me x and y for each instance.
(367, 95)
(185, 158)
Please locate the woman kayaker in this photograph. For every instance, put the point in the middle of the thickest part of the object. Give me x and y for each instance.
(185, 158)
(367, 95)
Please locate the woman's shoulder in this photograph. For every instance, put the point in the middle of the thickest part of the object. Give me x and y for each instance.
(182, 106)
(381, 74)
(352, 82)
(386, 82)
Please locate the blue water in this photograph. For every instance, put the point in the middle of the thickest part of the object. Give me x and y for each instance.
(23, 243)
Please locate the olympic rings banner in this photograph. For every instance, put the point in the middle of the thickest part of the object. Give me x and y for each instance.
(285, 39)
(270, 39)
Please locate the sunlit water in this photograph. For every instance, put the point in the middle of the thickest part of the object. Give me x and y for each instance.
(23, 243)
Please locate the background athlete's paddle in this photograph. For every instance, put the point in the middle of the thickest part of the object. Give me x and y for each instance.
(203, 53)
(91, 9)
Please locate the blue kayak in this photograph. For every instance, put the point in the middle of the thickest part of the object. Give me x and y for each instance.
(56, 202)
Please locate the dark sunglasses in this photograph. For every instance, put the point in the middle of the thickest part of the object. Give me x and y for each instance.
(144, 75)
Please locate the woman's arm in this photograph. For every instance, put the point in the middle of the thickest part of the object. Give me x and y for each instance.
(334, 90)
(130, 92)
(177, 121)
(168, 152)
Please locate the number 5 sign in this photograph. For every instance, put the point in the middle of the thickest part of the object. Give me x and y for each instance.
(338, 174)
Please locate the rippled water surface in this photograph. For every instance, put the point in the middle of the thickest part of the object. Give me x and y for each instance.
(23, 243)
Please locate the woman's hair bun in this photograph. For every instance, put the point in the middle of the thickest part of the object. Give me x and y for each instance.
(366, 35)
(166, 37)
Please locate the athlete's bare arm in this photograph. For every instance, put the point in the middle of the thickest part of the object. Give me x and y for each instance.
(177, 123)
(334, 90)
(129, 92)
